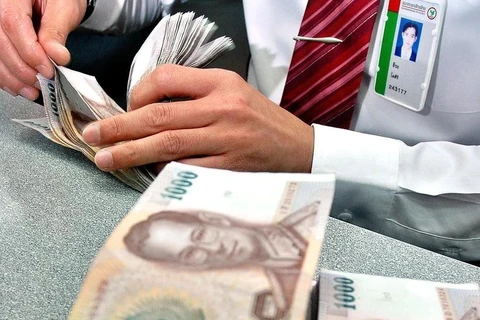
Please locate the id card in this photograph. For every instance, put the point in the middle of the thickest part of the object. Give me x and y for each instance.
(410, 32)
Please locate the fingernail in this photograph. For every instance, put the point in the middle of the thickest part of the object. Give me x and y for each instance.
(29, 93)
(60, 47)
(91, 134)
(37, 85)
(7, 90)
(44, 71)
(65, 58)
(104, 159)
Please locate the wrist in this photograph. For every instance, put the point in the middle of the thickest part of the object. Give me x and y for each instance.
(302, 147)
(308, 151)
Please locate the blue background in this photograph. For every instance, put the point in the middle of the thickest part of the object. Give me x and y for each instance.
(403, 22)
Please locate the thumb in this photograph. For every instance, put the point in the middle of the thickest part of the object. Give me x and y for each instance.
(58, 20)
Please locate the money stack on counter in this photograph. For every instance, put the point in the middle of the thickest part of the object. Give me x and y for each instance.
(348, 296)
(73, 99)
(212, 244)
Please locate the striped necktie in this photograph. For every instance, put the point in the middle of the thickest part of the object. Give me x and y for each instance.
(324, 79)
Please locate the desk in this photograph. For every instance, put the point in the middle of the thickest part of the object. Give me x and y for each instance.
(57, 210)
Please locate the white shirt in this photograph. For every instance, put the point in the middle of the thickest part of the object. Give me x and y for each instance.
(406, 53)
(414, 176)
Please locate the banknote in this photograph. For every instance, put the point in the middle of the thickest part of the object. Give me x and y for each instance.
(63, 125)
(42, 125)
(212, 244)
(182, 39)
(357, 296)
(72, 99)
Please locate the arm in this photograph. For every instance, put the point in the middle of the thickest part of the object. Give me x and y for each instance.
(427, 194)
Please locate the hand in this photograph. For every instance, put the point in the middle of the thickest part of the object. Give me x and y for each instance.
(227, 124)
(25, 50)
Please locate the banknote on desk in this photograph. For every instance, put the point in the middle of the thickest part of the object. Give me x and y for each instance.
(212, 244)
(348, 296)
(73, 99)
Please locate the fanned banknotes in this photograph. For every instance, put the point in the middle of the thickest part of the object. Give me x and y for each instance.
(73, 99)
(212, 244)
(348, 296)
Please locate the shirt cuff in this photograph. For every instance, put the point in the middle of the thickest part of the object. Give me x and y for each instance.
(356, 157)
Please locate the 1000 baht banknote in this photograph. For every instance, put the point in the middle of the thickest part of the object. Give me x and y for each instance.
(212, 244)
(349, 296)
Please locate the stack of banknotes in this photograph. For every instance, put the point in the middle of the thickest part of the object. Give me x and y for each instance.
(348, 296)
(73, 99)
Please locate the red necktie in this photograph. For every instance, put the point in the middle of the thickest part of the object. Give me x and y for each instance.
(324, 79)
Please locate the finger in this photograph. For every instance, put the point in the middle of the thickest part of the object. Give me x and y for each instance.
(170, 81)
(14, 63)
(20, 44)
(164, 146)
(10, 84)
(149, 120)
(59, 19)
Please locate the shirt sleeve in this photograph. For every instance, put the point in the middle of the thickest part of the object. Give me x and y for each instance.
(122, 16)
(427, 194)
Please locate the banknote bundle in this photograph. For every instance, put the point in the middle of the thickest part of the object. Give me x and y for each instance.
(212, 244)
(348, 296)
(73, 99)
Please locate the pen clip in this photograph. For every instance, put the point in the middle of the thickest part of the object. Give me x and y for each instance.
(331, 40)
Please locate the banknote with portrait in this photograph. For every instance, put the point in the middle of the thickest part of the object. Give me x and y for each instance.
(212, 244)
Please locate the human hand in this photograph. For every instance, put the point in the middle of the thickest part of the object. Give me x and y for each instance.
(227, 124)
(30, 32)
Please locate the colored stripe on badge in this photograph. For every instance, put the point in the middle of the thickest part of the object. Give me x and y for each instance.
(387, 47)
(394, 5)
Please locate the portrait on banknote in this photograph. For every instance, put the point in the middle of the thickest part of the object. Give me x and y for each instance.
(201, 240)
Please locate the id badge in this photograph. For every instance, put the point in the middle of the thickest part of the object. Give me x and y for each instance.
(410, 32)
